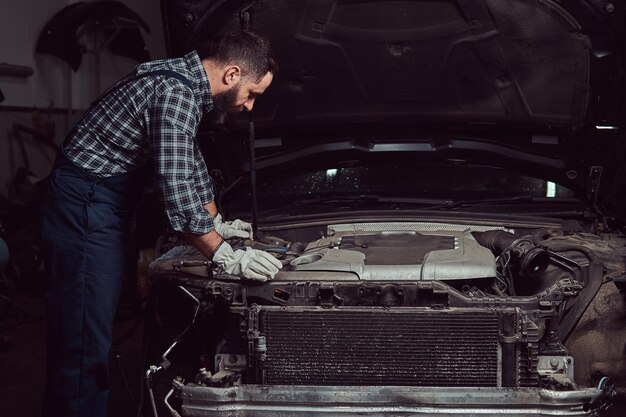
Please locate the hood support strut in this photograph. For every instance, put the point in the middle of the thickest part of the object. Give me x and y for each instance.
(245, 25)
(252, 175)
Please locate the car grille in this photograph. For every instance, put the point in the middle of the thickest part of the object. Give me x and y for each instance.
(415, 347)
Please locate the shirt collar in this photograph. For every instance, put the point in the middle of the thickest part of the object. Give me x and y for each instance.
(201, 86)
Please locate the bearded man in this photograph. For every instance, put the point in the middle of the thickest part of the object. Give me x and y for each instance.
(143, 126)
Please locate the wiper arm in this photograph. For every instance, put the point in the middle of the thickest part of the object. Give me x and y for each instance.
(489, 201)
(363, 198)
(371, 198)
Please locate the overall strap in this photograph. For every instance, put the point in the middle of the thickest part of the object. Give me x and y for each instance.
(123, 82)
(165, 72)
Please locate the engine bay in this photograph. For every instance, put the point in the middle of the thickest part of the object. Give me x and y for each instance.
(398, 304)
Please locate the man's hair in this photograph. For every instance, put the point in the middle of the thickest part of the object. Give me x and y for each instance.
(249, 51)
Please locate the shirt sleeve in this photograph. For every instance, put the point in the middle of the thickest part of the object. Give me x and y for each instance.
(171, 123)
(202, 179)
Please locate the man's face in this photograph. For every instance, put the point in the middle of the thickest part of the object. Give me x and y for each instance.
(239, 97)
(249, 91)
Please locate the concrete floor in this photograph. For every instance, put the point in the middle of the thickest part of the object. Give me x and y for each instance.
(22, 365)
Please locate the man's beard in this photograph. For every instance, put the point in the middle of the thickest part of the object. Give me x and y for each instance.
(224, 104)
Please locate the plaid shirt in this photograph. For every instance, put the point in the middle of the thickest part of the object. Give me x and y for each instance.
(153, 118)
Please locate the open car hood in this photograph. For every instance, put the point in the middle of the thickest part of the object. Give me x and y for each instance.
(531, 85)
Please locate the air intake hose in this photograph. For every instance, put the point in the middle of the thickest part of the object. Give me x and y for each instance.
(532, 260)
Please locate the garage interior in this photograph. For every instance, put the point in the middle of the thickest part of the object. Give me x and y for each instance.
(46, 82)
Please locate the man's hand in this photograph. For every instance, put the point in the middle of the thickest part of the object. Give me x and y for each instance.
(249, 263)
(235, 228)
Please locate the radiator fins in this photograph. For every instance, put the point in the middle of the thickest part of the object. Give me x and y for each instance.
(528, 358)
(383, 347)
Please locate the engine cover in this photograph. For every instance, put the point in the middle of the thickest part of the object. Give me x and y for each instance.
(405, 255)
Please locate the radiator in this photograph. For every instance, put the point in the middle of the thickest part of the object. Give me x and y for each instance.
(414, 347)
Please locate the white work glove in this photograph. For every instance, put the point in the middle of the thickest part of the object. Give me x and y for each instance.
(235, 228)
(249, 263)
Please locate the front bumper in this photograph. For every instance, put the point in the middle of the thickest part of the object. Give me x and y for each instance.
(353, 401)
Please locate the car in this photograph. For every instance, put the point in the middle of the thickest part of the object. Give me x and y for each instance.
(443, 182)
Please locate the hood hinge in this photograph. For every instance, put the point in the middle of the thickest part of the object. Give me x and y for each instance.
(245, 17)
(593, 190)
(593, 184)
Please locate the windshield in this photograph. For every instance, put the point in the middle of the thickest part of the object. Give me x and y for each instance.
(396, 181)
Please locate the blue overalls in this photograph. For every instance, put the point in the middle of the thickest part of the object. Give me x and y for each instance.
(85, 229)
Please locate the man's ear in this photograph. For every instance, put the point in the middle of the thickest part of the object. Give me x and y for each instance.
(232, 75)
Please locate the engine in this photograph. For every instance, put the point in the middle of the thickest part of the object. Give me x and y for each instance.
(399, 256)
